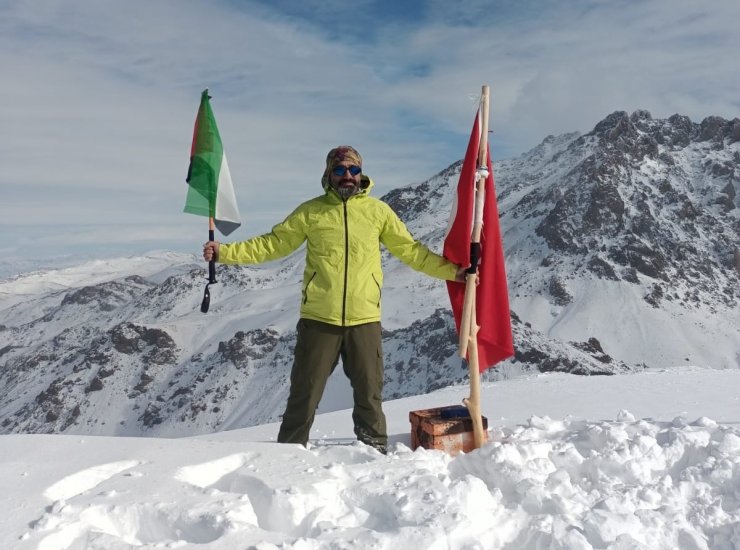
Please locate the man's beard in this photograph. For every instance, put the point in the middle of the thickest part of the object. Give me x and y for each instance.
(347, 191)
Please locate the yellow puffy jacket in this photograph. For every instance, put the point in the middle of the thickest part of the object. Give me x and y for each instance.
(342, 281)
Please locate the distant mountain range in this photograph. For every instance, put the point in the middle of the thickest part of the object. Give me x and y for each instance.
(622, 249)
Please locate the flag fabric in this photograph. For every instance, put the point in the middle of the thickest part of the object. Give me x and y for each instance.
(495, 341)
(210, 192)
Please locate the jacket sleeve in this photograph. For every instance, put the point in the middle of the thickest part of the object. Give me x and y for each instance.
(397, 239)
(284, 238)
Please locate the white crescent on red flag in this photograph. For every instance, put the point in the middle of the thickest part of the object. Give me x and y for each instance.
(495, 341)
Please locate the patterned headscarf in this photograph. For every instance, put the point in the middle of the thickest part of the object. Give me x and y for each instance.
(337, 155)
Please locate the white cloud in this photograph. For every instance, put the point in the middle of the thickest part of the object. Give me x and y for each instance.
(101, 95)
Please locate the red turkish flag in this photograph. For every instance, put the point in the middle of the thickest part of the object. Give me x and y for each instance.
(495, 342)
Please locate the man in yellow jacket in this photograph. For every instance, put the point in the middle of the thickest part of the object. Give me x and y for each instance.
(342, 282)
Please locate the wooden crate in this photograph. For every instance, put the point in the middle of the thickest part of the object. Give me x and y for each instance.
(448, 429)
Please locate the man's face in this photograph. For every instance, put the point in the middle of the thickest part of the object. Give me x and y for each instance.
(343, 180)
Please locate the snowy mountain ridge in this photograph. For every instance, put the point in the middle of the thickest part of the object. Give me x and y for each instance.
(621, 249)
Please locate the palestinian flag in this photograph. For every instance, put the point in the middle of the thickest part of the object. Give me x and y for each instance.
(211, 192)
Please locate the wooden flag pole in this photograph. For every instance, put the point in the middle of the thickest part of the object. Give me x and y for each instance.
(468, 325)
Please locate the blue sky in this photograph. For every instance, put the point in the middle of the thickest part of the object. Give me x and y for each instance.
(99, 98)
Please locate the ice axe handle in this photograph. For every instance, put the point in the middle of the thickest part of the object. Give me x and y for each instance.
(212, 263)
(205, 304)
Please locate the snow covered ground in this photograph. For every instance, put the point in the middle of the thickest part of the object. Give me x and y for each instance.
(641, 461)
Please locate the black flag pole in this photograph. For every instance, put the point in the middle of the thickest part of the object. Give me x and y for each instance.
(205, 304)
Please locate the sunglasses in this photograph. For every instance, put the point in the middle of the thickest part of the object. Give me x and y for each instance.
(341, 170)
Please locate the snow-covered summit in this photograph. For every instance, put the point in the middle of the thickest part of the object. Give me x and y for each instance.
(648, 460)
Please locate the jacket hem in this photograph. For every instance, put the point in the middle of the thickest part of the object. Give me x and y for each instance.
(338, 322)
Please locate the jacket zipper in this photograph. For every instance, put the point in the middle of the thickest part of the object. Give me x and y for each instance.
(346, 263)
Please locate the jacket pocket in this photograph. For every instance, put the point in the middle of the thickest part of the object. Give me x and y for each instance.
(380, 292)
(305, 288)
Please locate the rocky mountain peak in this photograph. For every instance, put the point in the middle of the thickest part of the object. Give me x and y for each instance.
(649, 202)
(640, 197)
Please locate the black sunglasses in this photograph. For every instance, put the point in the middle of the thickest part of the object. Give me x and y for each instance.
(341, 170)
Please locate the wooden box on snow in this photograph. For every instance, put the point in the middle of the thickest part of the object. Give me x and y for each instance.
(448, 429)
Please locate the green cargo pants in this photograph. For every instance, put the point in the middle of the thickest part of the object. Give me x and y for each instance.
(317, 351)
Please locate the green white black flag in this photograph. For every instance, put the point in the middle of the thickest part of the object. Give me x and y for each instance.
(210, 192)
